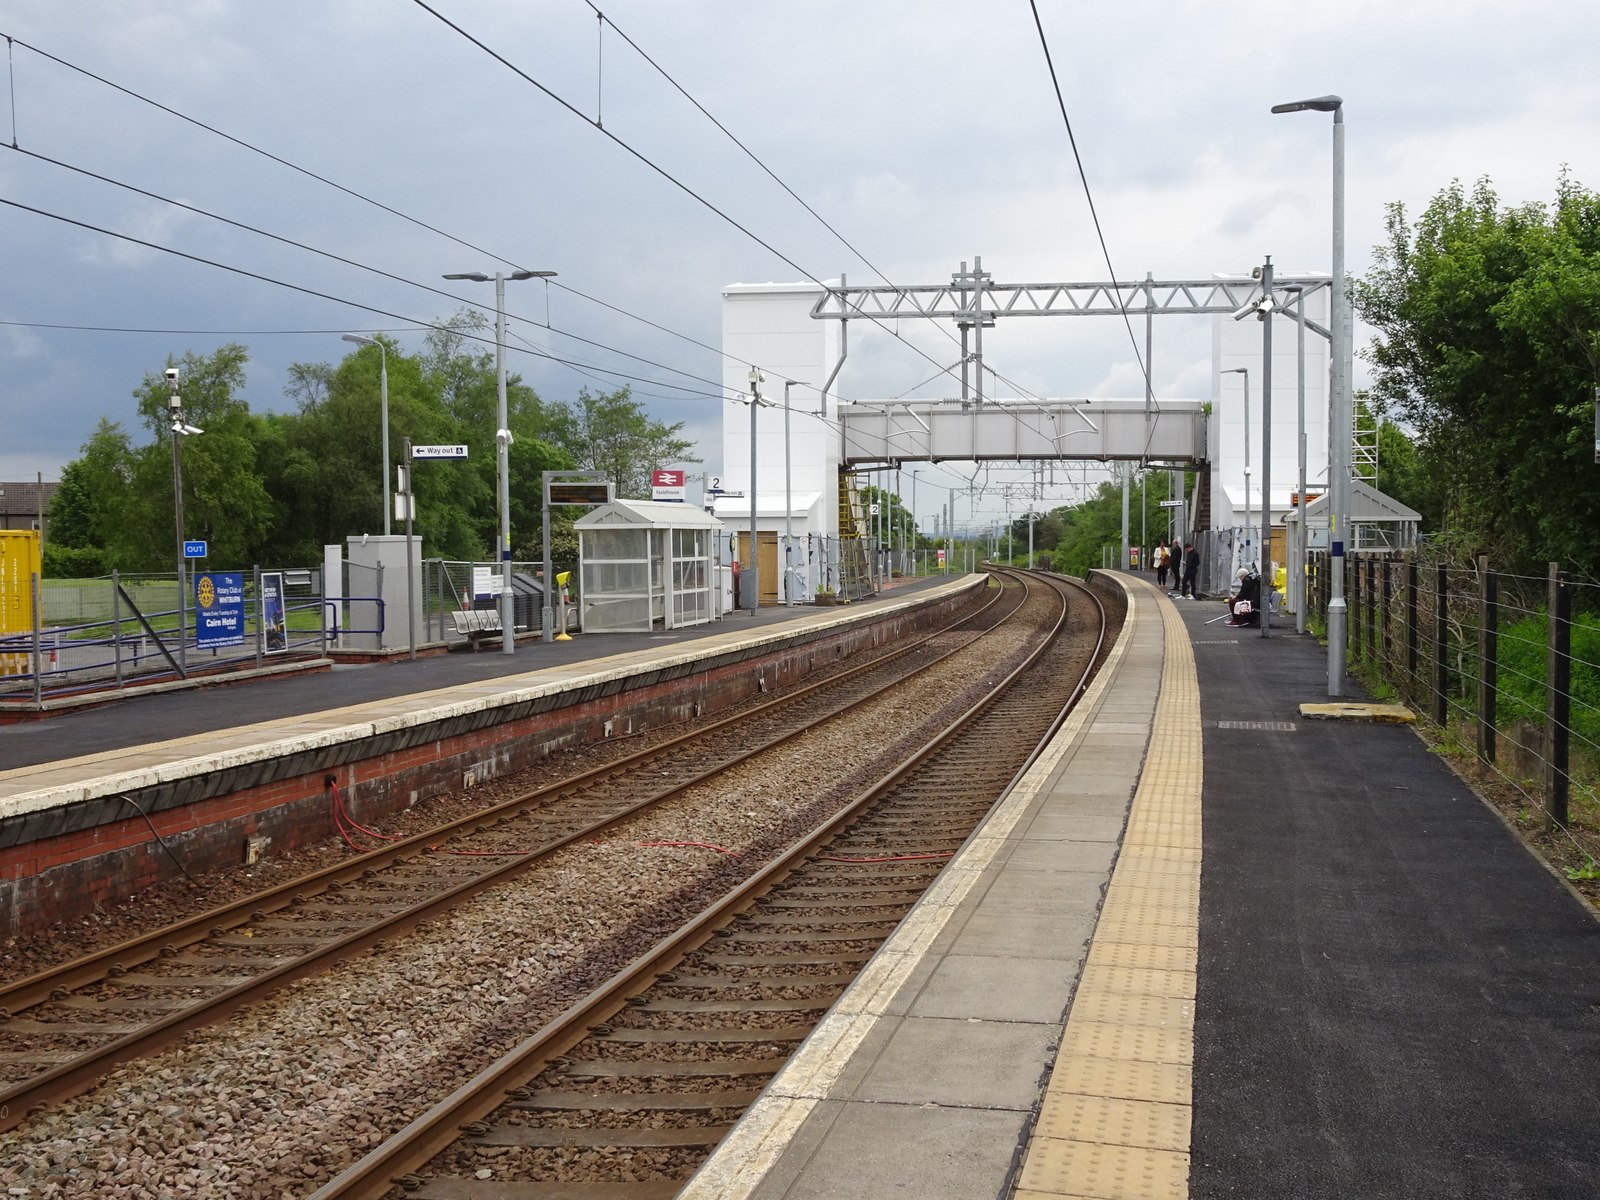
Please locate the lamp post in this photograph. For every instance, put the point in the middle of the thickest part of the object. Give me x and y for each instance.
(1339, 400)
(753, 567)
(1297, 571)
(788, 499)
(502, 440)
(180, 430)
(1245, 371)
(383, 410)
(914, 529)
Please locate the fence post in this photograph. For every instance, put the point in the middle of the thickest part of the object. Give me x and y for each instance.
(38, 638)
(1558, 698)
(1441, 645)
(116, 626)
(1356, 617)
(261, 634)
(1488, 657)
(1411, 620)
(1386, 594)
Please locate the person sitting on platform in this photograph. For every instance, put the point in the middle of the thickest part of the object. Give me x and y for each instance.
(1244, 606)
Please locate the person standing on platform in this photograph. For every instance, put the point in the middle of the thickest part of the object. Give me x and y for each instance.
(1191, 568)
(1163, 560)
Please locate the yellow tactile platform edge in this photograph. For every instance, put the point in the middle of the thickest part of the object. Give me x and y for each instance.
(1115, 1120)
(759, 1139)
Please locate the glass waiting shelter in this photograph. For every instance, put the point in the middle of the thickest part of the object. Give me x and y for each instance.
(647, 564)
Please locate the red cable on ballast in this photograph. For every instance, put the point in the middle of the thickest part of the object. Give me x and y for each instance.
(884, 857)
(697, 845)
(342, 818)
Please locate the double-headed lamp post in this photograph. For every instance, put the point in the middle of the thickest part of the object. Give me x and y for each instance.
(180, 430)
(383, 419)
(1340, 409)
(502, 441)
(753, 567)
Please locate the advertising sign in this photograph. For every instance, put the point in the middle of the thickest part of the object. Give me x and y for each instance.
(218, 610)
(668, 485)
(274, 624)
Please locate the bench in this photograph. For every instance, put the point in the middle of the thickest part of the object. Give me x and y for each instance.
(477, 624)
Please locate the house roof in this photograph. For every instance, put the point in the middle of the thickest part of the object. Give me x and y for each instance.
(23, 498)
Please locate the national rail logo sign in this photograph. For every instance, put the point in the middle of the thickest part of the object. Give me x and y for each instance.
(668, 485)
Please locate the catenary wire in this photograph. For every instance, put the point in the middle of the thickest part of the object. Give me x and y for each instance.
(346, 190)
(652, 165)
(293, 287)
(339, 258)
(1122, 303)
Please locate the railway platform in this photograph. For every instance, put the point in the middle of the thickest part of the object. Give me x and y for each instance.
(1205, 947)
(1208, 948)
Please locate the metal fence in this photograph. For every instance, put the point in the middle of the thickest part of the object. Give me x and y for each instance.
(1508, 664)
(115, 631)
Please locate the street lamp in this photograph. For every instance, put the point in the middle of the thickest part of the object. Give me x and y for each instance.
(1245, 371)
(383, 408)
(1297, 571)
(502, 441)
(1340, 410)
(753, 568)
(914, 530)
(180, 430)
(788, 501)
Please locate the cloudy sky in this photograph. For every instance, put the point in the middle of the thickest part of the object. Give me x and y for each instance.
(922, 131)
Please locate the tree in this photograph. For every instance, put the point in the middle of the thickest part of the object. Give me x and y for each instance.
(87, 514)
(224, 501)
(611, 435)
(1488, 346)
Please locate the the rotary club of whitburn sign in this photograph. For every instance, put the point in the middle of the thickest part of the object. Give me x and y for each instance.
(218, 610)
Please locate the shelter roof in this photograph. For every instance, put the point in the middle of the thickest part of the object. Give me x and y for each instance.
(638, 514)
(1368, 506)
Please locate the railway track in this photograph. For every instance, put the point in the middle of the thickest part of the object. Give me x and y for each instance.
(62, 1030)
(623, 1095)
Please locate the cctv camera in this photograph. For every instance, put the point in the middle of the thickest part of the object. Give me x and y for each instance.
(172, 373)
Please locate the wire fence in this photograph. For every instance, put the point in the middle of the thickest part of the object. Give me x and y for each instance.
(1507, 665)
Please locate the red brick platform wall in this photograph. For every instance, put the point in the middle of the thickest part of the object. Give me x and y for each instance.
(65, 877)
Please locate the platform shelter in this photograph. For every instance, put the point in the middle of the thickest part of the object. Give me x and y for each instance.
(647, 564)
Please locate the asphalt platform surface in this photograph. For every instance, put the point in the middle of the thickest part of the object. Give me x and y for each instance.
(1395, 998)
(139, 720)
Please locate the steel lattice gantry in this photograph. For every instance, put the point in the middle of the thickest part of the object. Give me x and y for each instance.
(1165, 433)
(965, 301)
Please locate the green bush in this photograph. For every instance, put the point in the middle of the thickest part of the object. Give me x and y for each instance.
(1521, 678)
(73, 562)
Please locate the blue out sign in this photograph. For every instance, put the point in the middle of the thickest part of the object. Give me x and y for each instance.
(218, 610)
(194, 549)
